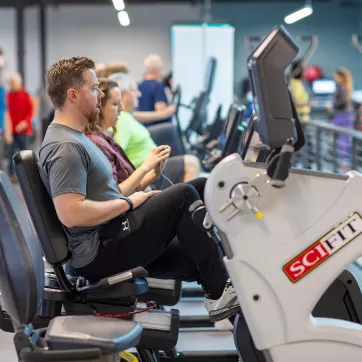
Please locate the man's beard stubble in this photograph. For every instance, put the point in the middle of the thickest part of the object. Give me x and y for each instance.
(92, 117)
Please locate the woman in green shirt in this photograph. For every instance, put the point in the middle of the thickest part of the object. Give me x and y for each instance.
(136, 140)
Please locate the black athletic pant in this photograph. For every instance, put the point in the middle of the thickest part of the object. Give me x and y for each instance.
(144, 238)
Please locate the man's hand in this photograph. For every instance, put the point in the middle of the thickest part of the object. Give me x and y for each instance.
(138, 198)
(170, 110)
(22, 126)
(157, 155)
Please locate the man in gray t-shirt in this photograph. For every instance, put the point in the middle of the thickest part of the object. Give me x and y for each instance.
(86, 172)
(108, 233)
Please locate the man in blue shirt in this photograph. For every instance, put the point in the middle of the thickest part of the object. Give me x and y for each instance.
(153, 95)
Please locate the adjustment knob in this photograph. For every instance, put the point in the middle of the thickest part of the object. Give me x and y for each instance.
(244, 198)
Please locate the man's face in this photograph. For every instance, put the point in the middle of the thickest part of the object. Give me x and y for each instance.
(90, 96)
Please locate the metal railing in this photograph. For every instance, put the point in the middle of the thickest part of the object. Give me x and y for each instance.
(330, 148)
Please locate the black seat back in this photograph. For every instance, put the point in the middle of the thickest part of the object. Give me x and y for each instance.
(167, 133)
(176, 100)
(217, 124)
(234, 133)
(21, 261)
(198, 120)
(41, 208)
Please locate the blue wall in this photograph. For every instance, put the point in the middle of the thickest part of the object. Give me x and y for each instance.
(333, 24)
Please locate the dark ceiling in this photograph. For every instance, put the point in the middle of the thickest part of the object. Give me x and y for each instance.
(13, 3)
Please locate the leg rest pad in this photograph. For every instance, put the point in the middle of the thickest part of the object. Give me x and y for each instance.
(108, 334)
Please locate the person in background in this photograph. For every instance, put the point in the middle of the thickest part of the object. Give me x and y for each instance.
(3, 66)
(167, 82)
(101, 70)
(117, 67)
(153, 96)
(298, 91)
(2, 106)
(44, 110)
(302, 105)
(2, 93)
(343, 114)
(344, 88)
(136, 141)
(18, 120)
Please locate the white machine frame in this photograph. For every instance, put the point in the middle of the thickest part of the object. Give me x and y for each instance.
(283, 262)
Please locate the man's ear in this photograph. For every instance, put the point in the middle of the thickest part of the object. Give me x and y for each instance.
(72, 95)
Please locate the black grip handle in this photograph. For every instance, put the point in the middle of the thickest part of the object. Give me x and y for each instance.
(67, 355)
(139, 272)
(101, 285)
(282, 167)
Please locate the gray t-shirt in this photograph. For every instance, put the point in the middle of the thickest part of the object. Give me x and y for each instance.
(71, 163)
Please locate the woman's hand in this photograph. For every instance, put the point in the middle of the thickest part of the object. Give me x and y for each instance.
(157, 155)
(159, 168)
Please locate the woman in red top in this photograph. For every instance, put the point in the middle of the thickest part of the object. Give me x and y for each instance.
(18, 127)
(127, 177)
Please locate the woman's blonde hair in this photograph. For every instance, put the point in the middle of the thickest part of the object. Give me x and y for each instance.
(347, 80)
(105, 86)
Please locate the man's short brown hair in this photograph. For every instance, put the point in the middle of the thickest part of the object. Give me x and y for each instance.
(65, 74)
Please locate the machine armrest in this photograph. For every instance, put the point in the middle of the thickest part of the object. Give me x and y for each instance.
(71, 355)
(107, 283)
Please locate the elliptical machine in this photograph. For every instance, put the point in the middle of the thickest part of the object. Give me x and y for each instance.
(287, 235)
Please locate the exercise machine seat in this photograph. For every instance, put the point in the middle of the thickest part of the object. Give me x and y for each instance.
(21, 261)
(167, 133)
(109, 334)
(50, 230)
(22, 284)
(41, 208)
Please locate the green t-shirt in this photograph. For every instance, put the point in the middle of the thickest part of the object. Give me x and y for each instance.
(134, 138)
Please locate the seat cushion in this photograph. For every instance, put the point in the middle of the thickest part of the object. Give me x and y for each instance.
(108, 334)
(120, 290)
